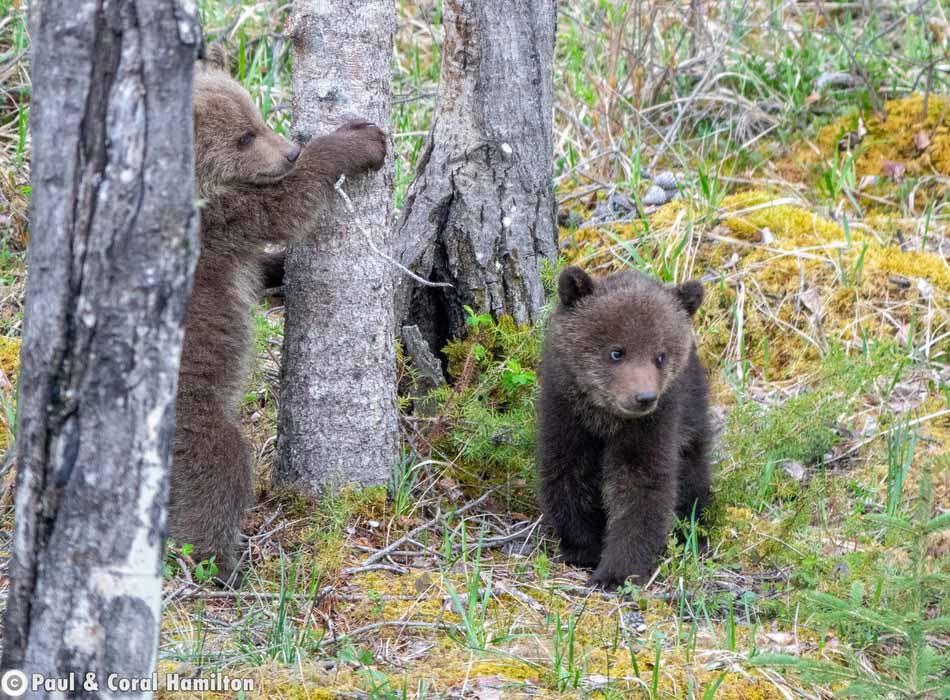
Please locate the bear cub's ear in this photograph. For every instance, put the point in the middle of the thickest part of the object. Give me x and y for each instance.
(215, 57)
(690, 295)
(573, 285)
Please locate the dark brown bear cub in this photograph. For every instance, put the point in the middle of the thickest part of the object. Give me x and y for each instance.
(257, 189)
(622, 425)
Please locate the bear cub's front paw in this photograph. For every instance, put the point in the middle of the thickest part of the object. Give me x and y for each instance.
(612, 577)
(366, 143)
(586, 558)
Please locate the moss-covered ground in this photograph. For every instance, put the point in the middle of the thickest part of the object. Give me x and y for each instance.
(810, 144)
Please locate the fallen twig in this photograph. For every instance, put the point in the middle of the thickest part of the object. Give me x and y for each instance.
(385, 551)
(394, 568)
(402, 624)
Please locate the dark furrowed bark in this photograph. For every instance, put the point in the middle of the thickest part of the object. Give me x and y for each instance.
(481, 213)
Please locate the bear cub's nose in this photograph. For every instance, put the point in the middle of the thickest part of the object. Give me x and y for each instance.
(645, 398)
(293, 153)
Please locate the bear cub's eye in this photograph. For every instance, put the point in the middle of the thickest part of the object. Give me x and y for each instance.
(660, 359)
(616, 354)
(246, 139)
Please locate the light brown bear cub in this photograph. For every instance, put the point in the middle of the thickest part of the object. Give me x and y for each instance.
(257, 189)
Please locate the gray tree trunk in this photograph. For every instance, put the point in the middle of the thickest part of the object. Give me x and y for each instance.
(481, 213)
(338, 412)
(112, 249)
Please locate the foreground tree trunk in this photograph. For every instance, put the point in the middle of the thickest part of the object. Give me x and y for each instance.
(338, 415)
(113, 246)
(481, 212)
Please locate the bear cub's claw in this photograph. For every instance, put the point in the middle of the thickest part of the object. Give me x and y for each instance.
(601, 578)
(610, 580)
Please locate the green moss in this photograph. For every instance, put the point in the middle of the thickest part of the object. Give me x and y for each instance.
(9, 374)
(9, 357)
(319, 546)
(891, 136)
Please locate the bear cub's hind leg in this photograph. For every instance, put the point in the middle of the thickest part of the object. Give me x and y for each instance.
(210, 493)
(694, 480)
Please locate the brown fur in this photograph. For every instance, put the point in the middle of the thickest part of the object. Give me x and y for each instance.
(622, 425)
(257, 189)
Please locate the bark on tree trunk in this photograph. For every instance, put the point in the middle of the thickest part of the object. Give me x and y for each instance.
(113, 246)
(338, 413)
(481, 212)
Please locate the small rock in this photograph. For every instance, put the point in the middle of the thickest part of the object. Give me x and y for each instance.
(633, 622)
(666, 180)
(811, 300)
(614, 206)
(656, 195)
(838, 80)
(893, 170)
(793, 468)
(870, 426)
(503, 437)
(489, 687)
(602, 212)
(595, 682)
(922, 140)
(841, 570)
(925, 288)
(621, 204)
(767, 236)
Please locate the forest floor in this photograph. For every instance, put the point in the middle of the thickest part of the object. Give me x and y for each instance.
(806, 148)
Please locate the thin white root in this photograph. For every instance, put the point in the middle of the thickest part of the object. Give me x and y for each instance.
(369, 239)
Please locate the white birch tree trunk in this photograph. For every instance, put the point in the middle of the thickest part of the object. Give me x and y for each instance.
(338, 413)
(111, 255)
